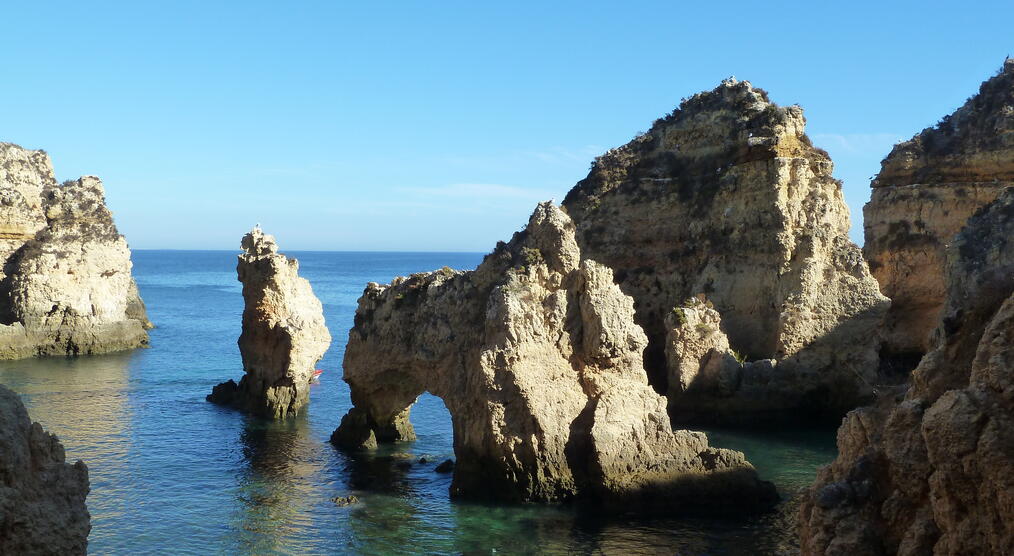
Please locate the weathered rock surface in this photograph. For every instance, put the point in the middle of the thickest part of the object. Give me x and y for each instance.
(927, 189)
(727, 197)
(66, 286)
(42, 498)
(283, 337)
(697, 352)
(932, 471)
(537, 357)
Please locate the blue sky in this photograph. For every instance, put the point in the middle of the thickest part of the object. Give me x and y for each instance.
(438, 126)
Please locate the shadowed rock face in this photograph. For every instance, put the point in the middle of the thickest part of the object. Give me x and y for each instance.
(537, 357)
(66, 286)
(927, 189)
(932, 470)
(727, 198)
(284, 335)
(42, 498)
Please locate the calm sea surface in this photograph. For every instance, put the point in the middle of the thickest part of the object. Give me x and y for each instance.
(173, 474)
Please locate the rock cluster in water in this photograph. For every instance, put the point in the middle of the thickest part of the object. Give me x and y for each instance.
(538, 359)
(727, 201)
(42, 498)
(927, 188)
(283, 337)
(929, 469)
(65, 286)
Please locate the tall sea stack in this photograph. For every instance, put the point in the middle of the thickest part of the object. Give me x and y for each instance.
(283, 336)
(926, 190)
(725, 204)
(65, 286)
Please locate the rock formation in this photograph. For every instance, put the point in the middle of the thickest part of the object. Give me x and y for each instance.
(727, 197)
(42, 498)
(926, 190)
(932, 470)
(283, 335)
(537, 357)
(65, 286)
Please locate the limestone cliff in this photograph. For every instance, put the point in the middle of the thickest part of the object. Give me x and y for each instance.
(66, 286)
(927, 188)
(726, 197)
(283, 335)
(931, 471)
(42, 498)
(537, 357)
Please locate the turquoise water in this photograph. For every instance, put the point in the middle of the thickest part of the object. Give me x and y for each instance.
(173, 474)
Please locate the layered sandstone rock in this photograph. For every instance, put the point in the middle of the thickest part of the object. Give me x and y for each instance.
(283, 337)
(66, 286)
(537, 357)
(727, 197)
(42, 498)
(932, 470)
(925, 192)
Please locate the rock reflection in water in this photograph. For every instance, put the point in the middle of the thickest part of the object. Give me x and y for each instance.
(279, 489)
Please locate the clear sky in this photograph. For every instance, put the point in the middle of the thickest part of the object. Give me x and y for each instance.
(437, 126)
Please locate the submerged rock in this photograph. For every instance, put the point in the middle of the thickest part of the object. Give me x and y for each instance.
(726, 197)
(932, 471)
(42, 498)
(927, 189)
(283, 337)
(446, 466)
(537, 357)
(342, 501)
(65, 286)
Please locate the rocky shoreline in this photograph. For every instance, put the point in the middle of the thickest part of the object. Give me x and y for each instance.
(701, 273)
(42, 498)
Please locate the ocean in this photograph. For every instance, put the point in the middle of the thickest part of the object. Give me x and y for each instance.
(173, 474)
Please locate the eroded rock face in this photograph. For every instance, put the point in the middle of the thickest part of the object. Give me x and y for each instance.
(66, 286)
(42, 498)
(927, 189)
(284, 335)
(726, 197)
(932, 470)
(538, 359)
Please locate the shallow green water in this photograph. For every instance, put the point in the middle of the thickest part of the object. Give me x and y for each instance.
(173, 474)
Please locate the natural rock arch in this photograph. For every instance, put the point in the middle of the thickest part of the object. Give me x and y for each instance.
(538, 360)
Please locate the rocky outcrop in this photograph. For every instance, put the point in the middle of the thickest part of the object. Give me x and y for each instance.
(66, 286)
(927, 189)
(42, 498)
(932, 469)
(727, 197)
(537, 357)
(283, 337)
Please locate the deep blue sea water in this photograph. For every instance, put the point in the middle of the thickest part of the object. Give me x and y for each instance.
(173, 474)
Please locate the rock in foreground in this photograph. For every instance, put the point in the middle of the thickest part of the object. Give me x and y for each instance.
(932, 472)
(42, 498)
(537, 357)
(726, 198)
(927, 189)
(283, 337)
(66, 286)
